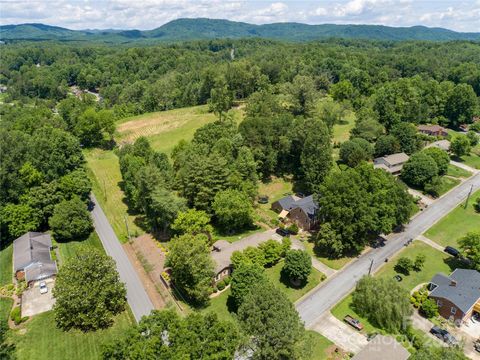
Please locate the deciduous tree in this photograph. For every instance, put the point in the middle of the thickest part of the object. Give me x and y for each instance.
(71, 220)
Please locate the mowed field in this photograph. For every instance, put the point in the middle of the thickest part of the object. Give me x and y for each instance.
(165, 129)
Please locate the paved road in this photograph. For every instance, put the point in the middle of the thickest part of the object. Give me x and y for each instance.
(339, 285)
(136, 296)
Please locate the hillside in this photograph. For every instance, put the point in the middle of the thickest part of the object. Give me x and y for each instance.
(201, 28)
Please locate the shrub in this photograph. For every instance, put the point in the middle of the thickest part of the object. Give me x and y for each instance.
(16, 316)
(227, 280)
(419, 262)
(476, 205)
(298, 266)
(418, 297)
(404, 265)
(429, 308)
(286, 244)
(221, 285)
(272, 251)
(293, 229)
(433, 186)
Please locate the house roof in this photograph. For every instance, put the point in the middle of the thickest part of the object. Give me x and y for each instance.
(30, 248)
(308, 205)
(287, 202)
(31, 253)
(382, 347)
(440, 144)
(462, 288)
(433, 128)
(394, 159)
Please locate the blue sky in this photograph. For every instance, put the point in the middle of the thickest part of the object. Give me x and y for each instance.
(457, 15)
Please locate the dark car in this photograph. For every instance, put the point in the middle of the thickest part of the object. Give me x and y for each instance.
(444, 335)
(263, 199)
(398, 278)
(282, 232)
(452, 251)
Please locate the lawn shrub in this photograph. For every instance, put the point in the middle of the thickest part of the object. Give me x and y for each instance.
(221, 285)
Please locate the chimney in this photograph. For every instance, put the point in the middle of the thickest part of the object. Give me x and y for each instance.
(453, 283)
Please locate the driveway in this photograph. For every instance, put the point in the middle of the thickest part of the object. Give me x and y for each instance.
(340, 333)
(34, 303)
(136, 295)
(331, 291)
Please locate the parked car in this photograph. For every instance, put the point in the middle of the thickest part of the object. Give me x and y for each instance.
(476, 345)
(444, 335)
(282, 232)
(263, 199)
(452, 251)
(350, 320)
(398, 278)
(43, 287)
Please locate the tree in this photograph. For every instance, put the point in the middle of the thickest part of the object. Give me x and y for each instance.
(358, 203)
(343, 90)
(233, 209)
(383, 302)
(298, 266)
(440, 157)
(221, 98)
(429, 308)
(419, 262)
(244, 278)
(434, 352)
(165, 208)
(19, 219)
(367, 126)
(165, 335)
(404, 265)
(251, 255)
(316, 156)
(460, 146)
(419, 170)
(75, 183)
(386, 145)
(461, 105)
(470, 245)
(300, 94)
(71, 220)
(354, 151)
(272, 323)
(193, 222)
(272, 251)
(192, 267)
(407, 137)
(473, 137)
(476, 205)
(330, 112)
(88, 291)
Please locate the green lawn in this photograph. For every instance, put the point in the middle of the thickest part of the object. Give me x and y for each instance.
(235, 237)
(472, 160)
(456, 224)
(436, 261)
(457, 172)
(344, 308)
(335, 264)
(6, 265)
(275, 189)
(104, 172)
(341, 132)
(165, 129)
(42, 340)
(5, 307)
(319, 345)
(447, 183)
(68, 249)
(219, 304)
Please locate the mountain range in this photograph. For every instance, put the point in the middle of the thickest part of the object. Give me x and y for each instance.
(202, 28)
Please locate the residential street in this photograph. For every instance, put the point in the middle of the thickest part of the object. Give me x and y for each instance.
(321, 299)
(137, 297)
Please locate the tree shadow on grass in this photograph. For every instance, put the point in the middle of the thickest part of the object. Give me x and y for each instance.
(285, 280)
(455, 263)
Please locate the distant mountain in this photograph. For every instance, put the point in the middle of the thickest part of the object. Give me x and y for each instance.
(201, 28)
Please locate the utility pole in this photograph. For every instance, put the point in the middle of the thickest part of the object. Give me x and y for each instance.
(126, 225)
(104, 191)
(370, 268)
(468, 196)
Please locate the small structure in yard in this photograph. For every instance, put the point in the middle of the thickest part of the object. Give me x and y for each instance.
(301, 211)
(32, 259)
(383, 347)
(391, 163)
(441, 144)
(458, 295)
(433, 130)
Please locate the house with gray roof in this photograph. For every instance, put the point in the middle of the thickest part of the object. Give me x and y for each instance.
(457, 295)
(302, 211)
(383, 347)
(391, 163)
(32, 260)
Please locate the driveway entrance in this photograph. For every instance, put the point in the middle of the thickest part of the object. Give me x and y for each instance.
(35, 303)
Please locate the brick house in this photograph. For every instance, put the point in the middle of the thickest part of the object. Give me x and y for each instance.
(302, 211)
(432, 130)
(457, 295)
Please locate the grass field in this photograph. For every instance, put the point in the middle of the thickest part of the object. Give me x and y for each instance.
(341, 132)
(68, 249)
(319, 345)
(106, 177)
(447, 183)
(5, 307)
(219, 305)
(6, 265)
(336, 264)
(472, 160)
(456, 224)
(165, 129)
(275, 190)
(457, 172)
(436, 261)
(42, 340)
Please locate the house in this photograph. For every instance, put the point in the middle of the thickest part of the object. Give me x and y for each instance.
(32, 260)
(457, 295)
(301, 211)
(432, 130)
(391, 163)
(440, 144)
(382, 347)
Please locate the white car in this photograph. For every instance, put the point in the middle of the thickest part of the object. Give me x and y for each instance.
(43, 287)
